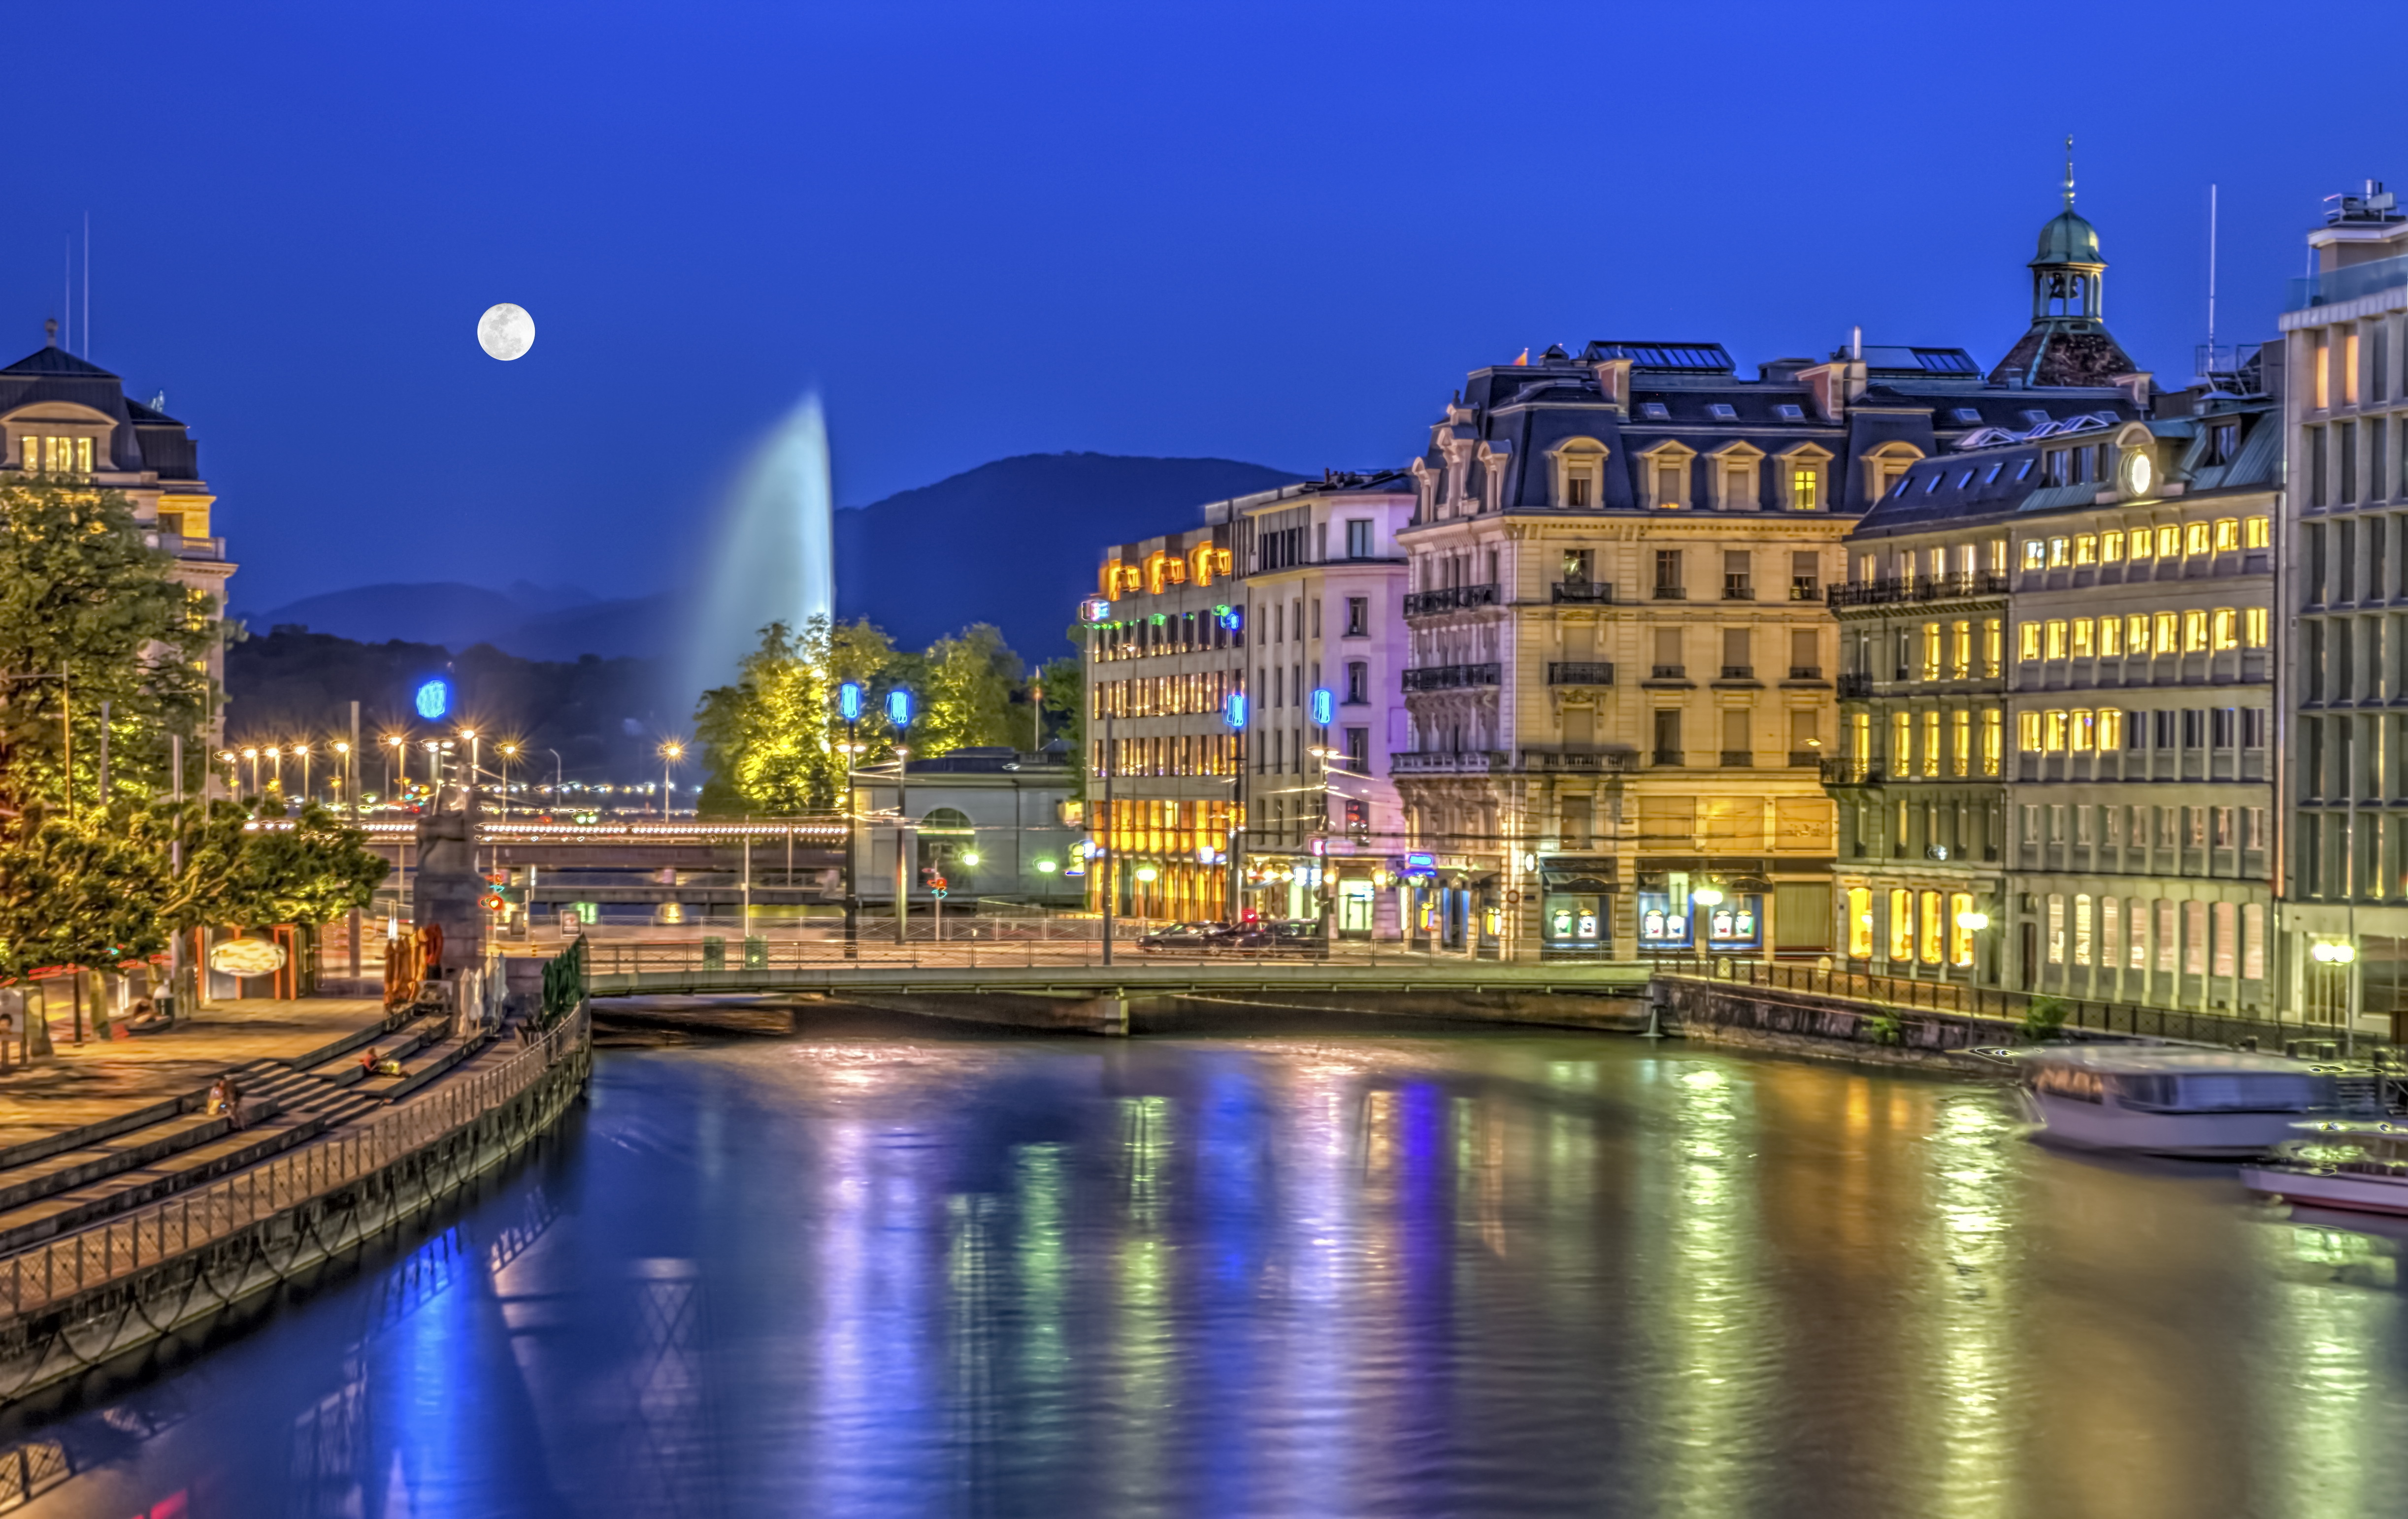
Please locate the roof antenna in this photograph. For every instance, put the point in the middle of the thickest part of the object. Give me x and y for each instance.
(2211, 278)
(66, 276)
(2069, 171)
(87, 284)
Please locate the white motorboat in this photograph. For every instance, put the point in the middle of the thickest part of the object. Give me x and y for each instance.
(2166, 1101)
(2359, 1164)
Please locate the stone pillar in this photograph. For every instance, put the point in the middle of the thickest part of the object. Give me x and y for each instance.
(448, 885)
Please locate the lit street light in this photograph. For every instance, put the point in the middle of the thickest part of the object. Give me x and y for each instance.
(671, 752)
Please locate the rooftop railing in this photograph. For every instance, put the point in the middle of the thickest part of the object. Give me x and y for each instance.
(2334, 286)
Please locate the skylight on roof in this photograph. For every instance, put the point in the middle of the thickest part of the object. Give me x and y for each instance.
(1963, 480)
(1967, 415)
(2023, 472)
(1932, 485)
(1946, 361)
(1722, 411)
(1700, 358)
(1903, 482)
(1790, 412)
(1652, 408)
(1990, 476)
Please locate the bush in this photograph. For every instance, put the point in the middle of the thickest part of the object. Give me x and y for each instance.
(1886, 1028)
(2044, 1019)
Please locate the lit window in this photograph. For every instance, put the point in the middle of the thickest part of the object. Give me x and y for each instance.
(2167, 627)
(1990, 476)
(2059, 553)
(2027, 732)
(2194, 632)
(2257, 533)
(2168, 541)
(1993, 730)
(2035, 554)
(2083, 646)
(2023, 472)
(2224, 632)
(1961, 662)
(1901, 925)
(2110, 636)
(1931, 650)
(1860, 917)
(2053, 732)
(2055, 638)
(2028, 640)
(2085, 727)
(2111, 727)
(2227, 534)
(2253, 626)
(1960, 748)
(2195, 538)
(2085, 549)
(2141, 543)
(2111, 547)
(1931, 742)
(1960, 939)
(1790, 412)
(1653, 411)
(1805, 488)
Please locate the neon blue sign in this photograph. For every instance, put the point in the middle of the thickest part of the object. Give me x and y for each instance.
(434, 699)
(898, 708)
(1233, 712)
(1325, 707)
(848, 701)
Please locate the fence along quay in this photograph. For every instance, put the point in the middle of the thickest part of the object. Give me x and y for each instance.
(70, 1303)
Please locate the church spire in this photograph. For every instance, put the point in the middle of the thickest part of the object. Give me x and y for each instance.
(2069, 171)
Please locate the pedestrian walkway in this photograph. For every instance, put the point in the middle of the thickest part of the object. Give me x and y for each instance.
(98, 1080)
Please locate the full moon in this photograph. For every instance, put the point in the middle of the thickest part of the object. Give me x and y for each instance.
(506, 331)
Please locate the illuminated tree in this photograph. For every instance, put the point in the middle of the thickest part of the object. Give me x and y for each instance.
(768, 741)
(968, 700)
(239, 877)
(81, 891)
(81, 594)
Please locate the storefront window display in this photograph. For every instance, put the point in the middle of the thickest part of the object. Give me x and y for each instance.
(1735, 922)
(1663, 922)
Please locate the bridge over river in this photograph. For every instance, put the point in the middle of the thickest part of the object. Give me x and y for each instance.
(1037, 983)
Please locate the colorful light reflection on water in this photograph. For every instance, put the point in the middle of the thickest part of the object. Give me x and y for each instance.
(897, 1274)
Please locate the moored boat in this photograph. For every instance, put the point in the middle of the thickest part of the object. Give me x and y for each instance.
(2165, 1101)
(2359, 1164)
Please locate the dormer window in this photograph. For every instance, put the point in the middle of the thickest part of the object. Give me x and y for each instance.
(54, 455)
(1722, 412)
(1665, 475)
(1799, 475)
(1580, 474)
(1653, 411)
(1789, 411)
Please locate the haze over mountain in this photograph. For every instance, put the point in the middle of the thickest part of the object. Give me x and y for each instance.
(1012, 542)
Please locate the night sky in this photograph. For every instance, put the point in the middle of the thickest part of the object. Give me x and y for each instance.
(1275, 233)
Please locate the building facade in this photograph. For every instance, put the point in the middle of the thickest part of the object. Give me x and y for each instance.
(993, 824)
(1324, 582)
(2345, 398)
(61, 415)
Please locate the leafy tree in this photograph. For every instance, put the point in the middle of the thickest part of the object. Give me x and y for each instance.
(82, 595)
(241, 876)
(1065, 682)
(81, 891)
(968, 697)
(768, 741)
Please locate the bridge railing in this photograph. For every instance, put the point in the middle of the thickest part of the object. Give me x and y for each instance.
(624, 963)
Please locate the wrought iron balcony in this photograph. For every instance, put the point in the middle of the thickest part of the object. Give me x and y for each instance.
(1671, 593)
(1469, 761)
(1453, 677)
(1668, 756)
(1928, 588)
(1580, 673)
(1856, 685)
(1738, 759)
(1668, 672)
(1738, 593)
(1739, 672)
(1805, 672)
(1805, 587)
(1852, 772)
(1449, 599)
(1584, 592)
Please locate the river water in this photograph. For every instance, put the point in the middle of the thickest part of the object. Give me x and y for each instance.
(883, 1269)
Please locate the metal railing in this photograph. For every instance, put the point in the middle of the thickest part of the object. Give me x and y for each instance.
(1738, 593)
(1448, 599)
(60, 1268)
(1668, 672)
(1918, 993)
(1929, 588)
(1584, 592)
(2346, 283)
(1805, 672)
(1453, 677)
(1671, 593)
(1852, 772)
(1578, 672)
(1739, 672)
(1440, 762)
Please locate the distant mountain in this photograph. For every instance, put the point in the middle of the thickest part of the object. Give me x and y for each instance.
(1016, 542)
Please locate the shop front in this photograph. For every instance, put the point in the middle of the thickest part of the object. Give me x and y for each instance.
(1576, 907)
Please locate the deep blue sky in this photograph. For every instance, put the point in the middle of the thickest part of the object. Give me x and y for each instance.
(1276, 233)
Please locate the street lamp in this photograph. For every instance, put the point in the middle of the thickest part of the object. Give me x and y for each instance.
(671, 752)
(475, 753)
(1709, 897)
(401, 750)
(275, 759)
(303, 751)
(252, 755)
(848, 707)
(345, 777)
(509, 752)
(901, 707)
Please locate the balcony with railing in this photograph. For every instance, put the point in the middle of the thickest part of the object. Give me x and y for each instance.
(1735, 589)
(1579, 672)
(1805, 672)
(1671, 593)
(1583, 592)
(1466, 762)
(1737, 672)
(1927, 588)
(1850, 772)
(1583, 760)
(1668, 672)
(1856, 685)
(2348, 283)
(1451, 598)
(1453, 677)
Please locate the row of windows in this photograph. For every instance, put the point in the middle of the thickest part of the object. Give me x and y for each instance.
(54, 455)
(2353, 560)
(1168, 753)
(1947, 740)
(1163, 695)
(1907, 565)
(2142, 826)
(2081, 730)
(2201, 939)
(1170, 633)
(1947, 650)
(1922, 925)
(2201, 630)
(2224, 535)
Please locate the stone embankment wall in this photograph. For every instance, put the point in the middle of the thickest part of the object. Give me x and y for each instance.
(1834, 1028)
(79, 1302)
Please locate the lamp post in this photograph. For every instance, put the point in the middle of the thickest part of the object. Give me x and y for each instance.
(1233, 715)
(251, 755)
(2343, 956)
(469, 792)
(848, 707)
(509, 752)
(900, 708)
(1110, 874)
(276, 763)
(400, 750)
(1972, 919)
(1708, 897)
(559, 784)
(671, 752)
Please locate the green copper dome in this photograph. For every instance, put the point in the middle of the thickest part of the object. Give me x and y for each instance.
(2068, 239)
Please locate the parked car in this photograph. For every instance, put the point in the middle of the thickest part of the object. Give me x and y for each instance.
(1193, 938)
(1298, 936)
